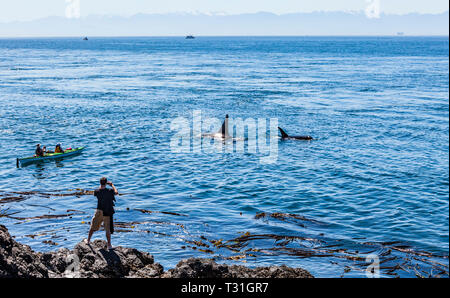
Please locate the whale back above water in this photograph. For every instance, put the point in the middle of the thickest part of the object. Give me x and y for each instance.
(285, 136)
(222, 133)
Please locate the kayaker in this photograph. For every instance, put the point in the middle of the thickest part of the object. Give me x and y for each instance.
(58, 149)
(105, 210)
(39, 152)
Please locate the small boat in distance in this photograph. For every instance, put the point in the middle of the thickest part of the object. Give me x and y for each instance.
(190, 37)
(85, 38)
(49, 156)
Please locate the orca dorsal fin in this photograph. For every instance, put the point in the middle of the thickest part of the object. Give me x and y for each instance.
(284, 135)
(224, 129)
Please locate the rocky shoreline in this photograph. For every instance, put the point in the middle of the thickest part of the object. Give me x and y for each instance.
(95, 261)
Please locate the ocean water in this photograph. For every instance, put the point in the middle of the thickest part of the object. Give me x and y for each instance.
(375, 181)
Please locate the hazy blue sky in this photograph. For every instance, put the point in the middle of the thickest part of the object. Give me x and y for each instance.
(11, 10)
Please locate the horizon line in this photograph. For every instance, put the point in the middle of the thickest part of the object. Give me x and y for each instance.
(200, 36)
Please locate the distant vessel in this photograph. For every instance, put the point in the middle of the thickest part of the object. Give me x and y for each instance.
(400, 33)
(190, 37)
(85, 38)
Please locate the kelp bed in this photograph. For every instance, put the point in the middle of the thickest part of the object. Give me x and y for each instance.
(396, 259)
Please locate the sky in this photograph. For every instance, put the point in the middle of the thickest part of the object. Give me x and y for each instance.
(25, 10)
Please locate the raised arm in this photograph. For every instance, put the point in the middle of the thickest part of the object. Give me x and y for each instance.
(116, 192)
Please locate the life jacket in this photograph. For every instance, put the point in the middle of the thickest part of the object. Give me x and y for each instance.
(58, 149)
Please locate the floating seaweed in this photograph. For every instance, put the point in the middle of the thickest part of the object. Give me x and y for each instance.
(75, 211)
(33, 236)
(236, 258)
(6, 213)
(167, 223)
(55, 193)
(287, 217)
(306, 247)
(41, 206)
(208, 251)
(129, 225)
(11, 199)
(73, 194)
(134, 223)
(46, 216)
(198, 243)
(50, 242)
(395, 258)
(122, 231)
(161, 212)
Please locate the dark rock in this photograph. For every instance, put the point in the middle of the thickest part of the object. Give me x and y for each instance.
(56, 262)
(269, 272)
(18, 260)
(198, 268)
(149, 271)
(96, 261)
(205, 268)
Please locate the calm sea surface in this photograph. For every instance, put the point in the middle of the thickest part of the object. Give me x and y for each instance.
(375, 180)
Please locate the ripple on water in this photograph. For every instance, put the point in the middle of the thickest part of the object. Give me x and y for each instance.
(377, 171)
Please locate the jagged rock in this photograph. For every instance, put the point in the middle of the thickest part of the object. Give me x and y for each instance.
(205, 268)
(149, 271)
(92, 261)
(198, 268)
(18, 260)
(56, 262)
(269, 272)
(96, 261)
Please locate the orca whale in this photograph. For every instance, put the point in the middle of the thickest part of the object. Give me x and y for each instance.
(285, 136)
(222, 133)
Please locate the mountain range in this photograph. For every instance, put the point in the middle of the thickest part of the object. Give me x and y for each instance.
(262, 23)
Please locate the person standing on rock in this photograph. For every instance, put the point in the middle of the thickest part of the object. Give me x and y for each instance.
(105, 210)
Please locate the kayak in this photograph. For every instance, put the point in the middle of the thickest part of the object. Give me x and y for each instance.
(49, 156)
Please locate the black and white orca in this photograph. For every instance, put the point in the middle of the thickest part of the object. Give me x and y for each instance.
(285, 136)
(222, 133)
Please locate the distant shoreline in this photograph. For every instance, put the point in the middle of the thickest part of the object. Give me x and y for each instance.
(338, 23)
(228, 36)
